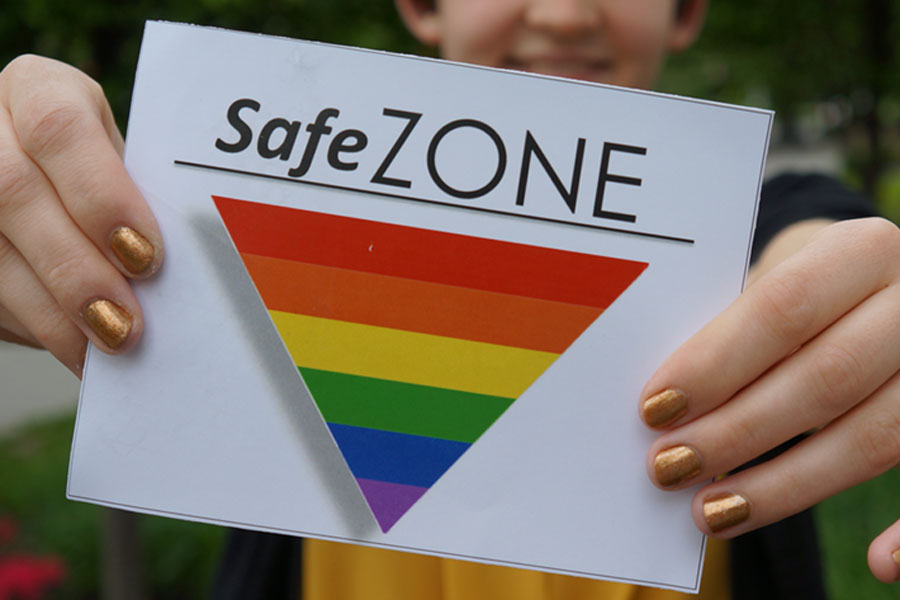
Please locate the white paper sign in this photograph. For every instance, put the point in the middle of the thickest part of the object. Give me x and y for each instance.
(475, 272)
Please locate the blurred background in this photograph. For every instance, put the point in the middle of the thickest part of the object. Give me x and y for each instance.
(830, 68)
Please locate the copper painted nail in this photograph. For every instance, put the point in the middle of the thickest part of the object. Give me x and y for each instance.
(132, 249)
(664, 408)
(675, 465)
(109, 321)
(722, 512)
(896, 556)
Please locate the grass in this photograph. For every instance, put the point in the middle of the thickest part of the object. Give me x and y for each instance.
(180, 557)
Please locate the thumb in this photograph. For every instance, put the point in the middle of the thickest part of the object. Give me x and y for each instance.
(884, 554)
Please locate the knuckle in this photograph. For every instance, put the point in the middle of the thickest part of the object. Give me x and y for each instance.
(836, 374)
(45, 125)
(15, 175)
(886, 238)
(22, 66)
(743, 437)
(63, 274)
(51, 328)
(8, 252)
(95, 91)
(785, 308)
(91, 195)
(794, 491)
(878, 442)
(28, 72)
(870, 237)
(881, 231)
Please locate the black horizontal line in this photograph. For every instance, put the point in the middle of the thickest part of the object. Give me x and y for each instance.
(658, 236)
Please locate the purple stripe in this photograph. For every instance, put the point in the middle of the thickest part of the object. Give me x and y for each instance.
(389, 501)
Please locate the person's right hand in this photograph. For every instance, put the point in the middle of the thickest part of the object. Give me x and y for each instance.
(73, 226)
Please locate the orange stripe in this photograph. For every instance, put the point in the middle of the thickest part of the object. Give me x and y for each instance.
(419, 306)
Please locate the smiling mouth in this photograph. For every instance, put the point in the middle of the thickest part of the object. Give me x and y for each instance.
(588, 69)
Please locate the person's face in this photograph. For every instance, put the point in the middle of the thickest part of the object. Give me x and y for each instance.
(621, 42)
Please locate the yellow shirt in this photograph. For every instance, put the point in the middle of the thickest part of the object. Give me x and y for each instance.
(335, 571)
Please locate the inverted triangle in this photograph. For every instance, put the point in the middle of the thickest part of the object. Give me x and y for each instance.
(412, 342)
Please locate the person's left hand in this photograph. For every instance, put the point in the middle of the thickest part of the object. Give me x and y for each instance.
(811, 345)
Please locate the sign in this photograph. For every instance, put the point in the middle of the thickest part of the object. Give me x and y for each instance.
(411, 304)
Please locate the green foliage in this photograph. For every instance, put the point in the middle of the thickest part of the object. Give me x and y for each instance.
(102, 37)
(847, 523)
(834, 63)
(33, 468)
(179, 557)
(889, 192)
(797, 52)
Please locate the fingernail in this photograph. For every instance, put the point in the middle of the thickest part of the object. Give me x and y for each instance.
(664, 408)
(722, 512)
(896, 556)
(109, 321)
(132, 249)
(676, 465)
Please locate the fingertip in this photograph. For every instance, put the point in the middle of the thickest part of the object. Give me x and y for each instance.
(664, 408)
(676, 466)
(649, 466)
(139, 255)
(116, 329)
(883, 566)
(884, 555)
(722, 514)
(80, 358)
(73, 359)
(697, 516)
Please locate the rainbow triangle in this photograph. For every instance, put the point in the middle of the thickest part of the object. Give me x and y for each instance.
(413, 342)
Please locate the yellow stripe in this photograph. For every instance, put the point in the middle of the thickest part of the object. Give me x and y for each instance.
(410, 357)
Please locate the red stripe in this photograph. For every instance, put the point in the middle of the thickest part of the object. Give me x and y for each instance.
(426, 255)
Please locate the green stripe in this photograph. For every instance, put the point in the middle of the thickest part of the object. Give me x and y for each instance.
(403, 407)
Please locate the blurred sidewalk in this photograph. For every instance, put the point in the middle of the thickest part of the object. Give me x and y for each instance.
(824, 157)
(32, 385)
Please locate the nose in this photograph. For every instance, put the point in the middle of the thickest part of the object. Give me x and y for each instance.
(564, 17)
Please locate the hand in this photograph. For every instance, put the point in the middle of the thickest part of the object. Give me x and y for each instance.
(811, 346)
(73, 225)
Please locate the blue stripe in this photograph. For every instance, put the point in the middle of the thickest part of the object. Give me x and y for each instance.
(395, 457)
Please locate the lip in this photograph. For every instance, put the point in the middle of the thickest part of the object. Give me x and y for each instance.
(572, 66)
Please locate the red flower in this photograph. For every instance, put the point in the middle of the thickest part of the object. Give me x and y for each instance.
(28, 578)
